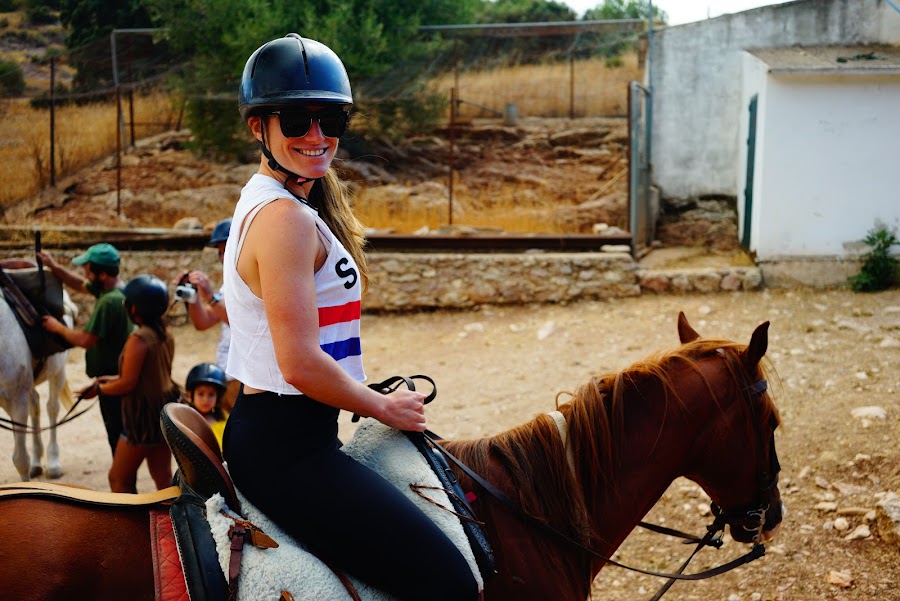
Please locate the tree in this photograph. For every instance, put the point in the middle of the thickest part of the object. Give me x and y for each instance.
(525, 11)
(620, 9)
(612, 46)
(89, 24)
(370, 36)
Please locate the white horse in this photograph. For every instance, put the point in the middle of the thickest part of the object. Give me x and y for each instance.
(19, 397)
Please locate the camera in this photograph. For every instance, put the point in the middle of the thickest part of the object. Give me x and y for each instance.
(186, 293)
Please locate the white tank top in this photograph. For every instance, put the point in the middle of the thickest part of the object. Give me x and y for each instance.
(251, 355)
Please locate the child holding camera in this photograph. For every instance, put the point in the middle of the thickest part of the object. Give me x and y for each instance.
(204, 385)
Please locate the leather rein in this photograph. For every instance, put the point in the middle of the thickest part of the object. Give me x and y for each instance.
(12, 425)
(713, 538)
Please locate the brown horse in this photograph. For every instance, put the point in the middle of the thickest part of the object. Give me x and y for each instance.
(698, 411)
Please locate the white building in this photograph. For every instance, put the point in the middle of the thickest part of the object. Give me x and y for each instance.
(824, 80)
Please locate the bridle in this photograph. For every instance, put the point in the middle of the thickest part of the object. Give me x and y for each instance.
(752, 520)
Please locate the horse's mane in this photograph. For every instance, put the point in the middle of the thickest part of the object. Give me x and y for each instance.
(533, 456)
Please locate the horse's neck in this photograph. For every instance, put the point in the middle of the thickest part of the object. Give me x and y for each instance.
(654, 450)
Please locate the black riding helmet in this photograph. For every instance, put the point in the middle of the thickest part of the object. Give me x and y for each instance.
(205, 373)
(148, 295)
(292, 72)
(220, 232)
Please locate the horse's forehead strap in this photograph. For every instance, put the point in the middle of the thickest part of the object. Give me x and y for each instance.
(561, 426)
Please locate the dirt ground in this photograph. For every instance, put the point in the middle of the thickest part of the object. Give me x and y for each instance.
(834, 351)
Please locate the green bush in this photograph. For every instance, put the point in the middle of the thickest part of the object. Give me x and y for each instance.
(219, 132)
(878, 266)
(12, 79)
(40, 15)
(399, 118)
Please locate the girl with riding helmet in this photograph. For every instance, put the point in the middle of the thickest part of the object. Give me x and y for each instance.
(294, 271)
(205, 386)
(145, 384)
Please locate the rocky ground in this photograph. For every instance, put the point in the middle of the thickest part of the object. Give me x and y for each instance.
(571, 175)
(836, 354)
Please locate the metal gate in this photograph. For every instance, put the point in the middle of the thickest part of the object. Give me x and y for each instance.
(639, 218)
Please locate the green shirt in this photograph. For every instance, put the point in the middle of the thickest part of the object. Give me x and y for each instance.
(111, 325)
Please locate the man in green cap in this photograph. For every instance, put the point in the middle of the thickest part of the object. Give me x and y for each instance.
(108, 328)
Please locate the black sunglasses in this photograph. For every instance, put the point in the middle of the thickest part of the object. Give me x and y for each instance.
(296, 123)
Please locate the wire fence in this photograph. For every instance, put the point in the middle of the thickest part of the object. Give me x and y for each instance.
(86, 104)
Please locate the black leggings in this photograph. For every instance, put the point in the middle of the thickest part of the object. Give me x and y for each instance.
(284, 456)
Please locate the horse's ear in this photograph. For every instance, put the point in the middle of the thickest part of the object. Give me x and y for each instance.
(758, 344)
(685, 332)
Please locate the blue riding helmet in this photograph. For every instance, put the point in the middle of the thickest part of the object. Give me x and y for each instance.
(291, 72)
(148, 295)
(205, 373)
(220, 232)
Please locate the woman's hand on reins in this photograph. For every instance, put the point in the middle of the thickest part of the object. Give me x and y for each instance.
(404, 410)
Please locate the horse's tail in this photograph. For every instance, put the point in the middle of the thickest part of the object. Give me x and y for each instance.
(66, 397)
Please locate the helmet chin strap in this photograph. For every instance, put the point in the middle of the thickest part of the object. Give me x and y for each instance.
(276, 166)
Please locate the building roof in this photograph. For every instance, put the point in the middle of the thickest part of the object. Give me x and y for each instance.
(866, 60)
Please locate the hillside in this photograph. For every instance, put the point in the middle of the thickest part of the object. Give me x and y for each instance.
(30, 46)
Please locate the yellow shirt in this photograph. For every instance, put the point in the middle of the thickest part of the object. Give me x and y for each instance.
(218, 429)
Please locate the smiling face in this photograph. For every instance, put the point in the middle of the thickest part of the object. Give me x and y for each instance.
(308, 155)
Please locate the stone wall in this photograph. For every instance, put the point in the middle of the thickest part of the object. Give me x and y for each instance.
(413, 281)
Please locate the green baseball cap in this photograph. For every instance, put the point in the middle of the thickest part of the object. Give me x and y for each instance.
(101, 254)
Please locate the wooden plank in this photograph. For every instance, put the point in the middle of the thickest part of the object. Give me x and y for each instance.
(22, 237)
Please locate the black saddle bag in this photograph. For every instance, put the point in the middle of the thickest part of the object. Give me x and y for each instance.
(41, 343)
(31, 294)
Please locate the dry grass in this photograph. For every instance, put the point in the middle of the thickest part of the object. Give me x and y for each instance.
(537, 90)
(546, 90)
(84, 134)
(512, 208)
(14, 19)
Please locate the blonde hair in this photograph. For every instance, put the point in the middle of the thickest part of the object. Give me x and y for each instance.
(331, 196)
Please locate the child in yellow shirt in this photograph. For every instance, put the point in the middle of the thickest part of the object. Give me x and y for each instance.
(205, 385)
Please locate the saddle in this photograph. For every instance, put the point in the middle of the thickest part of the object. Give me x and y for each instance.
(32, 293)
(201, 474)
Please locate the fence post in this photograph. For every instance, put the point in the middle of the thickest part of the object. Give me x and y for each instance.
(52, 121)
(118, 151)
(571, 86)
(131, 114)
(450, 175)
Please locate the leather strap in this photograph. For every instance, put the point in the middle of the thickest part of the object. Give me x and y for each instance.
(756, 552)
(237, 533)
(69, 416)
(562, 427)
(394, 382)
(348, 584)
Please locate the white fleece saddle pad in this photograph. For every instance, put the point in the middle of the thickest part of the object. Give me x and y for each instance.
(290, 567)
